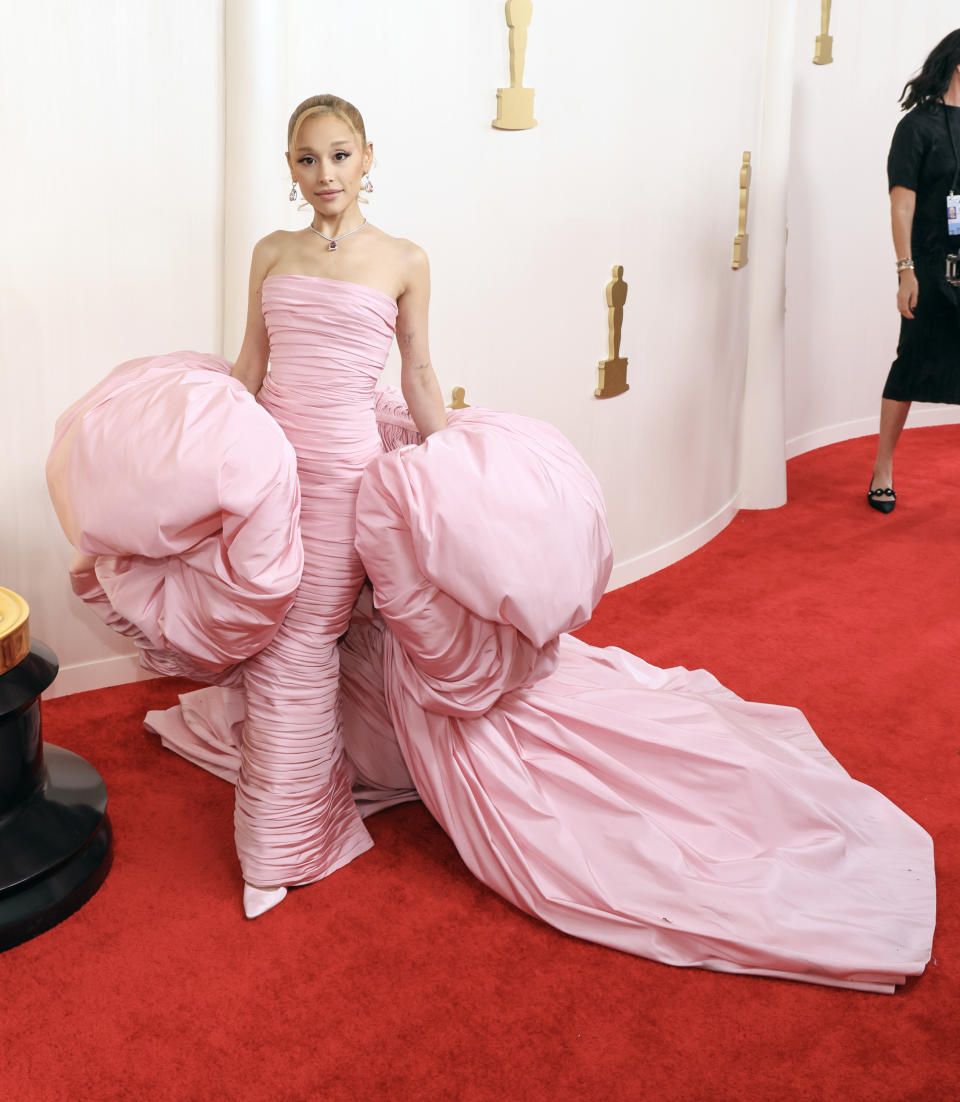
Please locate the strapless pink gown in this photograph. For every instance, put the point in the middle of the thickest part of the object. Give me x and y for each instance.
(650, 810)
(295, 816)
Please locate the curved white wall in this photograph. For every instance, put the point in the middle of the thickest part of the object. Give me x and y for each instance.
(842, 322)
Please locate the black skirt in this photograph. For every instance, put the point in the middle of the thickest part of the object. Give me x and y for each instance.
(927, 367)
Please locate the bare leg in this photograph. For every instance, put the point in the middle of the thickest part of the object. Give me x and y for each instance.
(893, 415)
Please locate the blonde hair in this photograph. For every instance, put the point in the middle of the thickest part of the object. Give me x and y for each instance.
(325, 105)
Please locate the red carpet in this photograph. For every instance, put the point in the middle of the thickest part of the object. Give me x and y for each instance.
(401, 977)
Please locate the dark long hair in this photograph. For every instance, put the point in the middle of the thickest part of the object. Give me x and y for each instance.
(933, 80)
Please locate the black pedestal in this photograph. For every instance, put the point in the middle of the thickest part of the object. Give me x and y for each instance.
(55, 840)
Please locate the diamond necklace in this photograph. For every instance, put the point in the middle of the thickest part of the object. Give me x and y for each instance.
(332, 247)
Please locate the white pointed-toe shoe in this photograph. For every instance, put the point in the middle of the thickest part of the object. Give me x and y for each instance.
(257, 901)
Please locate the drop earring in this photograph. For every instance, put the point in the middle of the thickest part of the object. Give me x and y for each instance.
(293, 192)
(366, 184)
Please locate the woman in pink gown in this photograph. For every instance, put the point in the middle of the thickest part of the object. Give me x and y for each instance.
(324, 303)
(650, 810)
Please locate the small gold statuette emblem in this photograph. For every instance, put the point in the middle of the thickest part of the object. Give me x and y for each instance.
(741, 240)
(612, 378)
(823, 54)
(515, 104)
(14, 629)
(458, 394)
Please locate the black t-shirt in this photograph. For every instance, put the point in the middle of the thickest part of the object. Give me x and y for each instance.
(922, 159)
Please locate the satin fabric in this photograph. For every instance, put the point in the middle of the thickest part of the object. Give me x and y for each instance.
(182, 501)
(649, 810)
(206, 727)
(295, 818)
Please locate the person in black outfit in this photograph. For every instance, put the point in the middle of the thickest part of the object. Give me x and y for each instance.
(922, 170)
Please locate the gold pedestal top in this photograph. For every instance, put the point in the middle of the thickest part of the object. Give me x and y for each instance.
(14, 629)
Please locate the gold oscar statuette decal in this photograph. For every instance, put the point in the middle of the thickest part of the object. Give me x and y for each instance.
(740, 241)
(612, 378)
(458, 396)
(823, 54)
(515, 104)
(14, 629)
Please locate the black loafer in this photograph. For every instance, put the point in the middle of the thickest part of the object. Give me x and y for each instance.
(884, 501)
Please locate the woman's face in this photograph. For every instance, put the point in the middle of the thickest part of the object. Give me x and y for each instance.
(328, 163)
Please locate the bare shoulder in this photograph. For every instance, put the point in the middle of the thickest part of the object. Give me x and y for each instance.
(268, 250)
(409, 252)
(406, 261)
(398, 247)
(411, 263)
(414, 258)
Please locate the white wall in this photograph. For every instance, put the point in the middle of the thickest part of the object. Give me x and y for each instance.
(842, 322)
(110, 115)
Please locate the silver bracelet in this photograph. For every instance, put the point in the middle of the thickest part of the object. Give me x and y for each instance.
(907, 262)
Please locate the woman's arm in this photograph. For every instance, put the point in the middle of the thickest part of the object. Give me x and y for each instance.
(421, 391)
(251, 365)
(903, 203)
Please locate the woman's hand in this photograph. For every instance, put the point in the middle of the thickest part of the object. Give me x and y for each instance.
(907, 293)
(903, 203)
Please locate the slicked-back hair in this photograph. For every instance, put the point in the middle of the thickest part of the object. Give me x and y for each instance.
(325, 105)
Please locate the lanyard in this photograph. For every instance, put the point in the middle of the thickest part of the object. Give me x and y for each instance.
(953, 148)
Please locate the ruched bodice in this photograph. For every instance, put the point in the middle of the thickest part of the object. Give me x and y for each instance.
(329, 340)
(295, 818)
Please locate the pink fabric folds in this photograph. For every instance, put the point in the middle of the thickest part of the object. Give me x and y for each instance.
(181, 497)
(206, 727)
(649, 810)
(506, 480)
(465, 554)
(296, 820)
